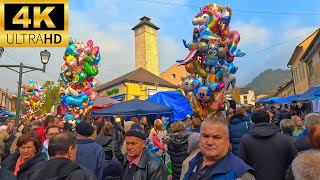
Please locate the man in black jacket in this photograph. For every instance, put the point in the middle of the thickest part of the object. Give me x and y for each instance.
(141, 164)
(266, 149)
(62, 151)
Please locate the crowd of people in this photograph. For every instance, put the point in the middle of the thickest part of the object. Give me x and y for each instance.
(245, 143)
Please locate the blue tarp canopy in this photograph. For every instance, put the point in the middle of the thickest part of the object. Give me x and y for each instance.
(135, 107)
(174, 99)
(309, 95)
(287, 99)
(9, 114)
(279, 100)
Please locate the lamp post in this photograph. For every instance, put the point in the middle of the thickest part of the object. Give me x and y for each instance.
(156, 83)
(45, 55)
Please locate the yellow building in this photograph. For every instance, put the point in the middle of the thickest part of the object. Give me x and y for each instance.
(311, 58)
(8, 101)
(247, 96)
(138, 84)
(299, 66)
(174, 74)
(285, 90)
(146, 45)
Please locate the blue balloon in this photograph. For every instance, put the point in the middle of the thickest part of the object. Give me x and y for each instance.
(97, 60)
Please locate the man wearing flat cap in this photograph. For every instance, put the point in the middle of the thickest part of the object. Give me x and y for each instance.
(141, 163)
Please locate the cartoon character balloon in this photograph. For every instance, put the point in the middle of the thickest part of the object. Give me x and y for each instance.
(213, 49)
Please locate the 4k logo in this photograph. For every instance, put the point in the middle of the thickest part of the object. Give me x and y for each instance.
(35, 23)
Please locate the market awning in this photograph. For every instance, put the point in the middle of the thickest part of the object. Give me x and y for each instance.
(312, 93)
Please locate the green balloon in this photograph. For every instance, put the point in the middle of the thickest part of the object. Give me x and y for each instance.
(90, 59)
(82, 76)
(89, 69)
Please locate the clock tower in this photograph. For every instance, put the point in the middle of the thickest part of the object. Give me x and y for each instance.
(146, 45)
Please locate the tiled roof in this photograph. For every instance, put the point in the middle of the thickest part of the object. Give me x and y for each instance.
(139, 75)
(145, 21)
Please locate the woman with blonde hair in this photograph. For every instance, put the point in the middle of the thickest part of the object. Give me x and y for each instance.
(158, 132)
(298, 125)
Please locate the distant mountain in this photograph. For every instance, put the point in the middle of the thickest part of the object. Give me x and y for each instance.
(269, 81)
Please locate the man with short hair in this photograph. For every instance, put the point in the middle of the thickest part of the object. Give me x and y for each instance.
(89, 154)
(49, 121)
(141, 163)
(305, 165)
(303, 143)
(50, 132)
(62, 151)
(266, 149)
(215, 161)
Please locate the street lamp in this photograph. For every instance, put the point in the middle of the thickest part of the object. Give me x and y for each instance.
(45, 55)
(156, 83)
(1, 51)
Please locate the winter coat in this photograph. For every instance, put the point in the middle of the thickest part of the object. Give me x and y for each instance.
(6, 174)
(149, 167)
(177, 149)
(229, 167)
(185, 164)
(302, 143)
(27, 168)
(267, 150)
(239, 125)
(91, 156)
(8, 144)
(62, 169)
(108, 144)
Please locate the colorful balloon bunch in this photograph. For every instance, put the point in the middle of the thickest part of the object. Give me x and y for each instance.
(210, 61)
(32, 96)
(78, 71)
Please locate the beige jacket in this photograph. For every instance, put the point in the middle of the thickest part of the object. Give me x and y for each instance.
(185, 164)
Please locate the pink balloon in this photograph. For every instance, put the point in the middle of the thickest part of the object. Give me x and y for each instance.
(73, 63)
(87, 51)
(93, 96)
(90, 43)
(95, 51)
(221, 85)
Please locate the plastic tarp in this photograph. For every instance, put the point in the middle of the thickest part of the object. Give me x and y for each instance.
(102, 102)
(7, 113)
(287, 99)
(135, 107)
(262, 100)
(174, 99)
(309, 95)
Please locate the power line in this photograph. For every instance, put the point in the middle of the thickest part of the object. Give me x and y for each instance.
(281, 43)
(235, 10)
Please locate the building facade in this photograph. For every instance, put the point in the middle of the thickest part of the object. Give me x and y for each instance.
(8, 101)
(247, 96)
(285, 90)
(138, 84)
(299, 67)
(174, 74)
(311, 58)
(146, 45)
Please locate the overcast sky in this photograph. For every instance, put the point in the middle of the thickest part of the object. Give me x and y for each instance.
(268, 38)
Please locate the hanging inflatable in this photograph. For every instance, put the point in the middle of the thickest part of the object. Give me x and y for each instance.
(77, 74)
(210, 61)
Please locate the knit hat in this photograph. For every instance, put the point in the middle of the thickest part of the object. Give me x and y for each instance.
(85, 129)
(137, 131)
(112, 170)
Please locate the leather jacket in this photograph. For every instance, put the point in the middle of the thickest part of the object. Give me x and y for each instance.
(149, 167)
